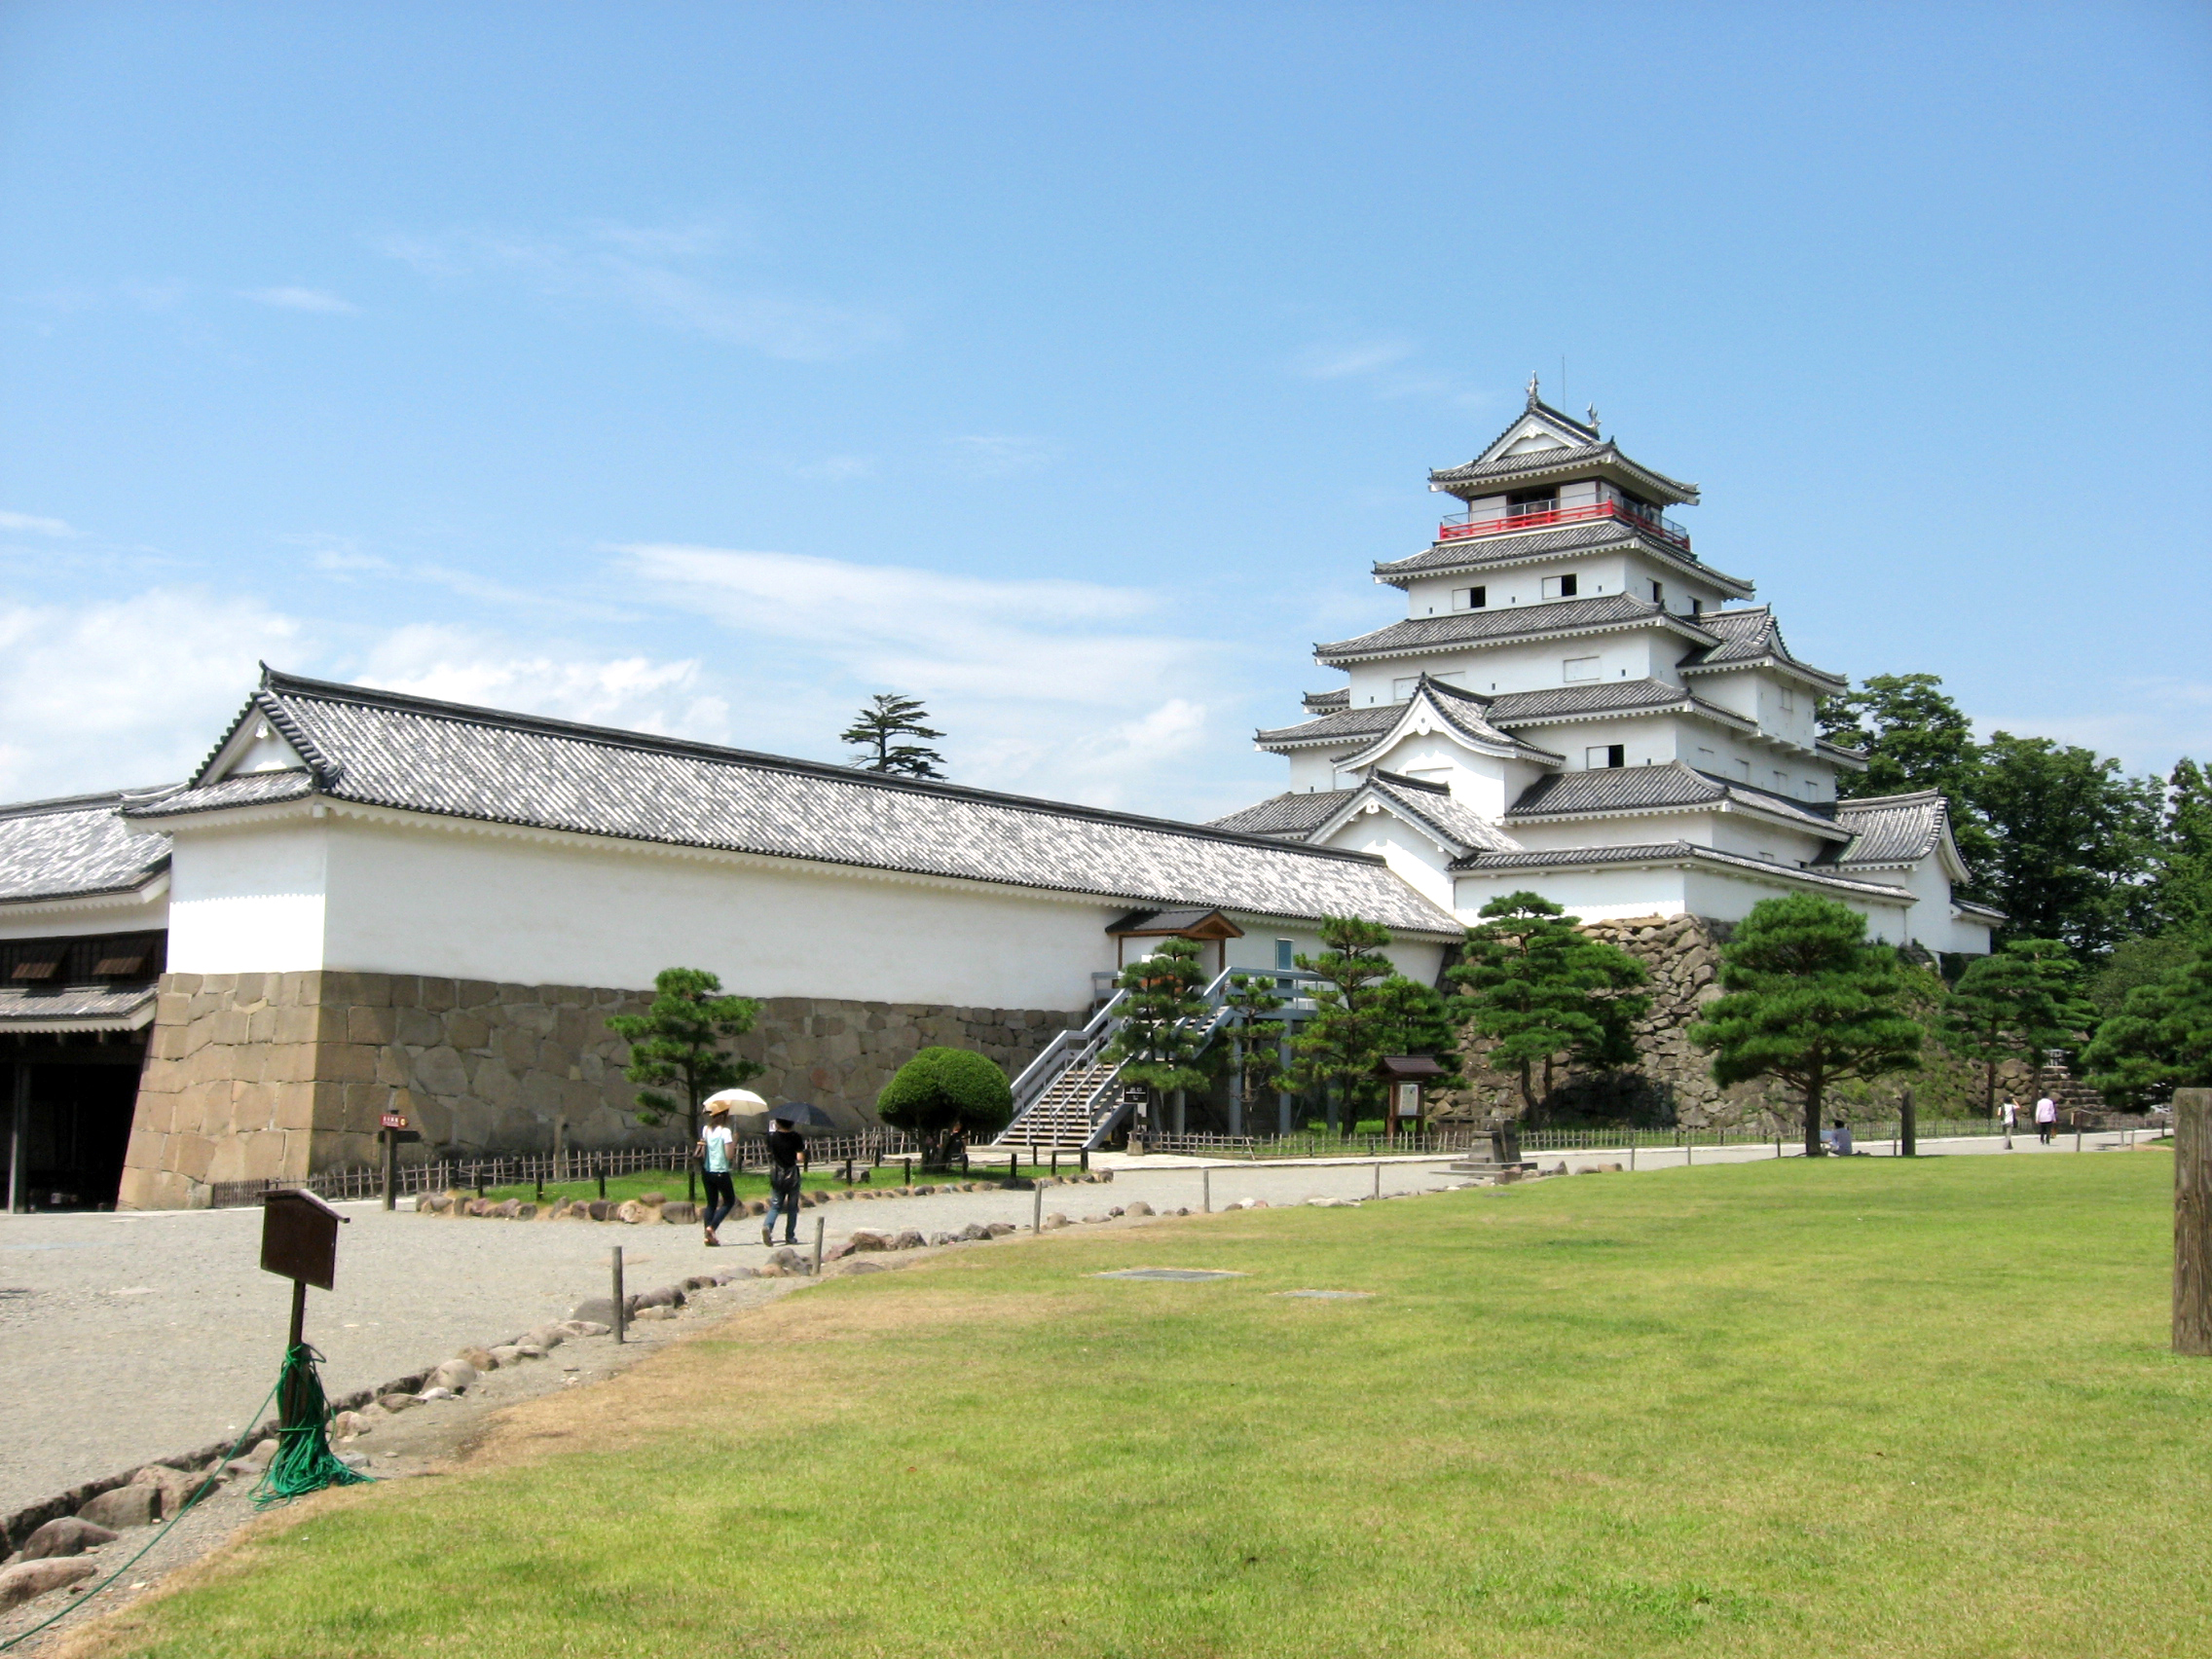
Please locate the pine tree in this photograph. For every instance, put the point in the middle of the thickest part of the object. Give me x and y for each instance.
(1414, 1018)
(1258, 1054)
(2161, 1039)
(1542, 989)
(878, 727)
(680, 1040)
(2013, 1005)
(1808, 1001)
(1338, 1050)
(1163, 1021)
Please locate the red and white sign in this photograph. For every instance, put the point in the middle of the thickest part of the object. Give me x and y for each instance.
(394, 1120)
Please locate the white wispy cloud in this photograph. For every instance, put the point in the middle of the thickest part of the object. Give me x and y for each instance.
(996, 455)
(1390, 368)
(2146, 723)
(460, 665)
(32, 524)
(660, 275)
(302, 300)
(129, 693)
(1066, 689)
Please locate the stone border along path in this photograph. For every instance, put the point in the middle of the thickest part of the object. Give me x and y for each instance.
(162, 1323)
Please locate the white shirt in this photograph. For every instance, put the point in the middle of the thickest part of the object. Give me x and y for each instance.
(718, 1139)
(2009, 1112)
(2046, 1110)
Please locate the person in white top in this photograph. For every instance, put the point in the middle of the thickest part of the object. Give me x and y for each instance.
(714, 1154)
(2047, 1118)
(2008, 1114)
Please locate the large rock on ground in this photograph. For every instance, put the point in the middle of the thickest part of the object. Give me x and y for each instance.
(66, 1536)
(864, 1241)
(594, 1310)
(124, 1506)
(1136, 1207)
(481, 1358)
(909, 1241)
(679, 1212)
(455, 1373)
(176, 1485)
(632, 1213)
(25, 1579)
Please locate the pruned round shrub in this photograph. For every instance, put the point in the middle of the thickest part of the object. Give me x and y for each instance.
(939, 1089)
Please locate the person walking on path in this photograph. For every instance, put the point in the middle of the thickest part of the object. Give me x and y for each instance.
(2008, 1114)
(2047, 1118)
(786, 1162)
(712, 1154)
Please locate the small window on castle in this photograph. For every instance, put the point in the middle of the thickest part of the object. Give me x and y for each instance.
(1658, 593)
(1402, 691)
(1781, 782)
(1705, 760)
(1788, 701)
(1605, 755)
(1559, 587)
(1697, 607)
(1285, 950)
(1469, 599)
(1580, 668)
(1743, 771)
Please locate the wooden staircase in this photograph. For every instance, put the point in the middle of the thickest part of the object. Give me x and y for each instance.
(1066, 1117)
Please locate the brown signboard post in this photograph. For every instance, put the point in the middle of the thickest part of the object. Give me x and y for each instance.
(299, 1241)
(2192, 1221)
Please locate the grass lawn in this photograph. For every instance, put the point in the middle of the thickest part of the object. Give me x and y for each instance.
(1874, 1407)
(754, 1184)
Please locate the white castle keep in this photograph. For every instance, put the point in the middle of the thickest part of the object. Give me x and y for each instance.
(1576, 703)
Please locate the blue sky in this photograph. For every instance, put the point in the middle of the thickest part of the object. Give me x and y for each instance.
(707, 368)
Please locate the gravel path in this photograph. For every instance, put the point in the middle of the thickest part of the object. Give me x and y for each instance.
(126, 1338)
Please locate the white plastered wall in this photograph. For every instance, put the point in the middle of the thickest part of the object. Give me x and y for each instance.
(1412, 856)
(1594, 894)
(248, 898)
(1631, 653)
(74, 920)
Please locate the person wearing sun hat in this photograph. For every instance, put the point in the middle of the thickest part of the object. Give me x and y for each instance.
(714, 1154)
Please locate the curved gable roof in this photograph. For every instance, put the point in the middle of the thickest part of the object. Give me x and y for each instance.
(414, 755)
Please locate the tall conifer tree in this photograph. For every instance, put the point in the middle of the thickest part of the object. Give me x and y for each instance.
(1542, 990)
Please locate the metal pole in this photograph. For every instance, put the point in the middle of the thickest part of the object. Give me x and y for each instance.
(18, 1131)
(392, 1166)
(1631, 1158)
(1378, 1177)
(621, 1322)
(1036, 1212)
(817, 1226)
(1205, 1185)
(1909, 1126)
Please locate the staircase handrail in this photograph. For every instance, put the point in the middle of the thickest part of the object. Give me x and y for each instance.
(1041, 1073)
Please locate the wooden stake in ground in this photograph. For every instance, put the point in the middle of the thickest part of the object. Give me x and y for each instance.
(2192, 1221)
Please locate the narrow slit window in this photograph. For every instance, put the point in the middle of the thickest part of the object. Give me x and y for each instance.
(1658, 593)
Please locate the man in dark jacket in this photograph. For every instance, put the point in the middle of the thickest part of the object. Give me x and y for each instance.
(787, 1162)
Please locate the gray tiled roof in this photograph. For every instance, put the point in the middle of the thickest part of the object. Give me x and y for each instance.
(1324, 702)
(1476, 551)
(1631, 789)
(1501, 470)
(77, 1008)
(77, 847)
(1901, 829)
(1289, 817)
(1749, 636)
(1478, 627)
(1607, 697)
(1466, 714)
(1454, 821)
(1346, 726)
(1668, 852)
(381, 749)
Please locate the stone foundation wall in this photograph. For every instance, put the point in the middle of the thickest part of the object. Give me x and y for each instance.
(253, 1076)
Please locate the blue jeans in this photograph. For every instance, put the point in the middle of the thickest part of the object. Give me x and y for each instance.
(783, 1199)
(722, 1196)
